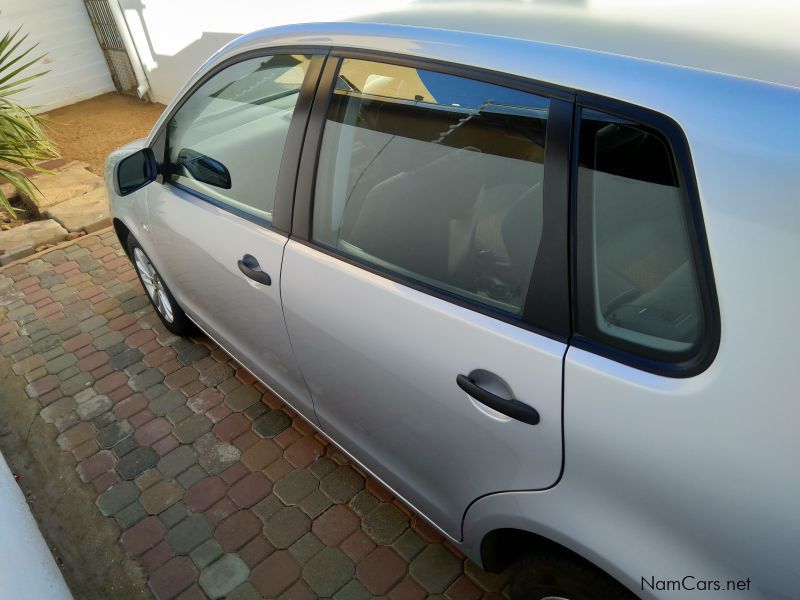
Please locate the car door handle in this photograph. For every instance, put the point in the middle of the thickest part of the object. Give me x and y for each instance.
(250, 267)
(511, 408)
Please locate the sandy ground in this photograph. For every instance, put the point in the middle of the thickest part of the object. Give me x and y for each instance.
(91, 129)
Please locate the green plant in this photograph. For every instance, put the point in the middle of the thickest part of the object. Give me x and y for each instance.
(23, 140)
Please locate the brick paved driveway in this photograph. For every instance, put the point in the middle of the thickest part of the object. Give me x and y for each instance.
(219, 489)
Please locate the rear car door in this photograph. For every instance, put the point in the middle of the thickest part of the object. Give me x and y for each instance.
(424, 286)
(230, 160)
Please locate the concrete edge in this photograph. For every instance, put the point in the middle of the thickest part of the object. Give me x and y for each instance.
(60, 246)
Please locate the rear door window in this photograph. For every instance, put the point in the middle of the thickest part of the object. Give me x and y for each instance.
(435, 178)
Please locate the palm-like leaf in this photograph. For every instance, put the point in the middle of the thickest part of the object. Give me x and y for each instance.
(23, 141)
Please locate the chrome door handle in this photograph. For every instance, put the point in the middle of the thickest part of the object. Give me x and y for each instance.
(250, 267)
(511, 408)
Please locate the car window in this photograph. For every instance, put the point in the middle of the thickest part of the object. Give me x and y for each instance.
(637, 279)
(434, 178)
(226, 141)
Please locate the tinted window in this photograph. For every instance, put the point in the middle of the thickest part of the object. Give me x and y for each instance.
(227, 140)
(435, 178)
(637, 279)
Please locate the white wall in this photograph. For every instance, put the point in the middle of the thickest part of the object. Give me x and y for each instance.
(62, 27)
(174, 37)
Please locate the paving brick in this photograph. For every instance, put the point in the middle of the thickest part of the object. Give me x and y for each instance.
(278, 469)
(218, 413)
(193, 592)
(156, 556)
(107, 339)
(181, 377)
(221, 510)
(247, 439)
(234, 473)
(306, 547)
(267, 507)
(129, 406)
(148, 479)
(205, 400)
(130, 515)
(135, 462)
(335, 525)
(60, 363)
(352, 590)
(463, 588)
(236, 530)
(143, 536)
(303, 452)
(271, 424)
(215, 456)
(357, 545)
(174, 514)
(380, 570)
(435, 568)
(172, 578)
(385, 523)
(256, 550)
(110, 382)
(159, 356)
(167, 402)
(250, 489)
(192, 428)
(113, 434)
(140, 418)
(408, 589)
(76, 383)
(42, 386)
(215, 374)
(260, 454)
(206, 553)
(179, 413)
(189, 533)
(246, 591)
(242, 397)
(95, 465)
(328, 571)
(152, 431)
(161, 496)
(295, 486)
(192, 354)
(408, 544)
(124, 447)
(322, 467)
(342, 484)
(275, 574)
(145, 379)
(75, 436)
(177, 461)
(60, 411)
(315, 504)
(140, 338)
(286, 526)
(191, 476)
(205, 493)
(125, 358)
(93, 407)
(231, 427)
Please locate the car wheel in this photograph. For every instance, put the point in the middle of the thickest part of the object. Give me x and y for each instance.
(167, 309)
(554, 575)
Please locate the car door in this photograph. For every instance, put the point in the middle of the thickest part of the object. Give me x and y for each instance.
(230, 158)
(424, 286)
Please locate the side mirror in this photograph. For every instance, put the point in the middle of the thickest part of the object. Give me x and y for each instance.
(135, 171)
(204, 168)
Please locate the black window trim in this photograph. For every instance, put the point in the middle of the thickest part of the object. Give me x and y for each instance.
(620, 350)
(287, 173)
(551, 318)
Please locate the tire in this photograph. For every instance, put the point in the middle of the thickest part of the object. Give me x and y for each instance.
(161, 298)
(558, 575)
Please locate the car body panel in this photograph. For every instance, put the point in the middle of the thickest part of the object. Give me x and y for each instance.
(381, 361)
(197, 248)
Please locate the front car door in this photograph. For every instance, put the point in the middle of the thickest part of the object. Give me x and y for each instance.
(215, 217)
(425, 285)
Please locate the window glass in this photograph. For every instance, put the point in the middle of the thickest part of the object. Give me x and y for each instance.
(637, 281)
(434, 177)
(227, 140)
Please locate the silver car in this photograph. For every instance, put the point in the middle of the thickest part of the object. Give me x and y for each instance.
(548, 296)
